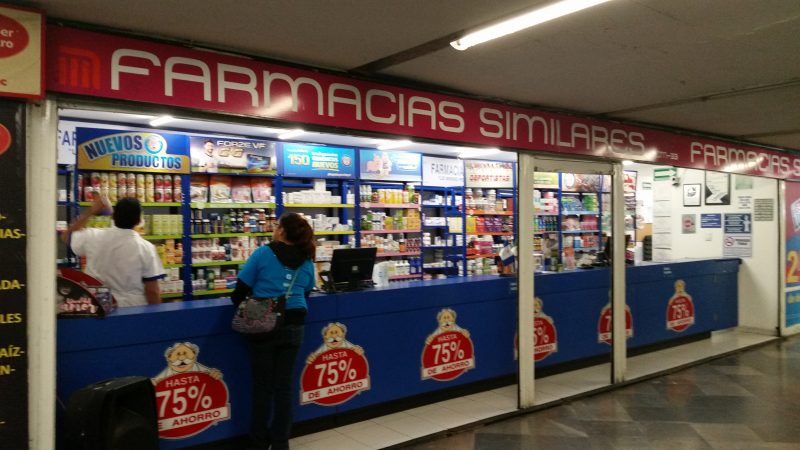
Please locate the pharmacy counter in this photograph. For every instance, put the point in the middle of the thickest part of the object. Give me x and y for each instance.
(401, 343)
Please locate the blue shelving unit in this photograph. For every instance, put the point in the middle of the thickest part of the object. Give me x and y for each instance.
(452, 253)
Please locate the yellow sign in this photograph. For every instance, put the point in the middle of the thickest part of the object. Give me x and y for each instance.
(21, 66)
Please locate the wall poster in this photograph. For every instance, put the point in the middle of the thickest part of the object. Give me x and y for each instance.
(13, 279)
(792, 246)
(718, 188)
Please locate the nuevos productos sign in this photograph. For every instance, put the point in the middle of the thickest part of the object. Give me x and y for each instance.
(132, 151)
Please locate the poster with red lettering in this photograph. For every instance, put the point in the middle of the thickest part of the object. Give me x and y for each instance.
(545, 336)
(545, 339)
(336, 371)
(190, 396)
(680, 309)
(448, 351)
(604, 324)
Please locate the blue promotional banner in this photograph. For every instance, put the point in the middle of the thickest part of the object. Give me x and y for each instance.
(710, 220)
(390, 166)
(132, 151)
(225, 155)
(316, 161)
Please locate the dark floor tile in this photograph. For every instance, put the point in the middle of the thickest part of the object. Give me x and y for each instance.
(492, 441)
(780, 431)
(648, 414)
(669, 430)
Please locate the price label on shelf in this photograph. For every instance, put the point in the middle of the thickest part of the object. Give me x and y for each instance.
(680, 309)
(447, 355)
(189, 403)
(333, 377)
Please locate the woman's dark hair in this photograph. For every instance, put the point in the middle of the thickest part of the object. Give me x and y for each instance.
(127, 213)
(299, 233)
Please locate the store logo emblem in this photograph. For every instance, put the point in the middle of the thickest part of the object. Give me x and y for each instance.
(5, 139)
(155, 144)
(78, 68)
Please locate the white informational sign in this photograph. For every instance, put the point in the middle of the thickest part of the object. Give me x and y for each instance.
(738, 238)
(442, 172)
(489, 174)
(66, 143)
(764, 210)
(746, 202)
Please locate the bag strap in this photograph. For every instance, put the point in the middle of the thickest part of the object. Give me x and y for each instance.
(291, 285)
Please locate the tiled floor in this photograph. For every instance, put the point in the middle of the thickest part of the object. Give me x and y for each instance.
(694, 408)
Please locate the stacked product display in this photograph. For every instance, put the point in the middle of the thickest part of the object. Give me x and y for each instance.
(570, 220)
(147, 188)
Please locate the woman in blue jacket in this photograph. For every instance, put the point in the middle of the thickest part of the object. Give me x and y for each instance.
(268, 273)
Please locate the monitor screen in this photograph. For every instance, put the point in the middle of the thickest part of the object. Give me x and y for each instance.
(352, 266)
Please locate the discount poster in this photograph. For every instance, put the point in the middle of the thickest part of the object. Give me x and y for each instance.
(336, 372)
(317, 161)
(448, 351)
(792, 245)
(545, 334)
(680, 309)
(190, 396)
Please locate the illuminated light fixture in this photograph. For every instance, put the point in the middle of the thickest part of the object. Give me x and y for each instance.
(394, 144)
(467, 153)
(523, 21)
(291, 133)
(161, 120)
(627, 162)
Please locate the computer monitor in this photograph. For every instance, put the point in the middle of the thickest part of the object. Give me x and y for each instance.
(351, 268)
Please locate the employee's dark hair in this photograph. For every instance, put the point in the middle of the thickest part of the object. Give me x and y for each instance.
(127, 213)
(299, 233)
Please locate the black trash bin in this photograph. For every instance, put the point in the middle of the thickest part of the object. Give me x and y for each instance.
(116, 414)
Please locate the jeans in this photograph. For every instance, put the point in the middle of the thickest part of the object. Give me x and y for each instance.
(272, 361)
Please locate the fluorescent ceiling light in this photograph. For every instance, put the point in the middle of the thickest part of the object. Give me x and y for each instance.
(627, 162)
(161, 120)
(466, 153)
(394, 144)
(290, 134)
(526, 20)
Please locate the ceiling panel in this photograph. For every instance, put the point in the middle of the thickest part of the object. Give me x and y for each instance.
(759, 113)
(625, 54)
(791, 141)
(339, 34)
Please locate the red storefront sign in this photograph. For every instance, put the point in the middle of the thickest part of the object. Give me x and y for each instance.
(109, 66)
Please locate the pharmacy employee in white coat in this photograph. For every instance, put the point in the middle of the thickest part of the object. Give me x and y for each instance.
(124, 262)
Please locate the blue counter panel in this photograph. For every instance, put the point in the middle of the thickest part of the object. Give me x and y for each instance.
(391, 325)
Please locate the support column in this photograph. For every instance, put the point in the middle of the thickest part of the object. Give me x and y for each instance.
(42, 140)
(619, 349)
(525, 311)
